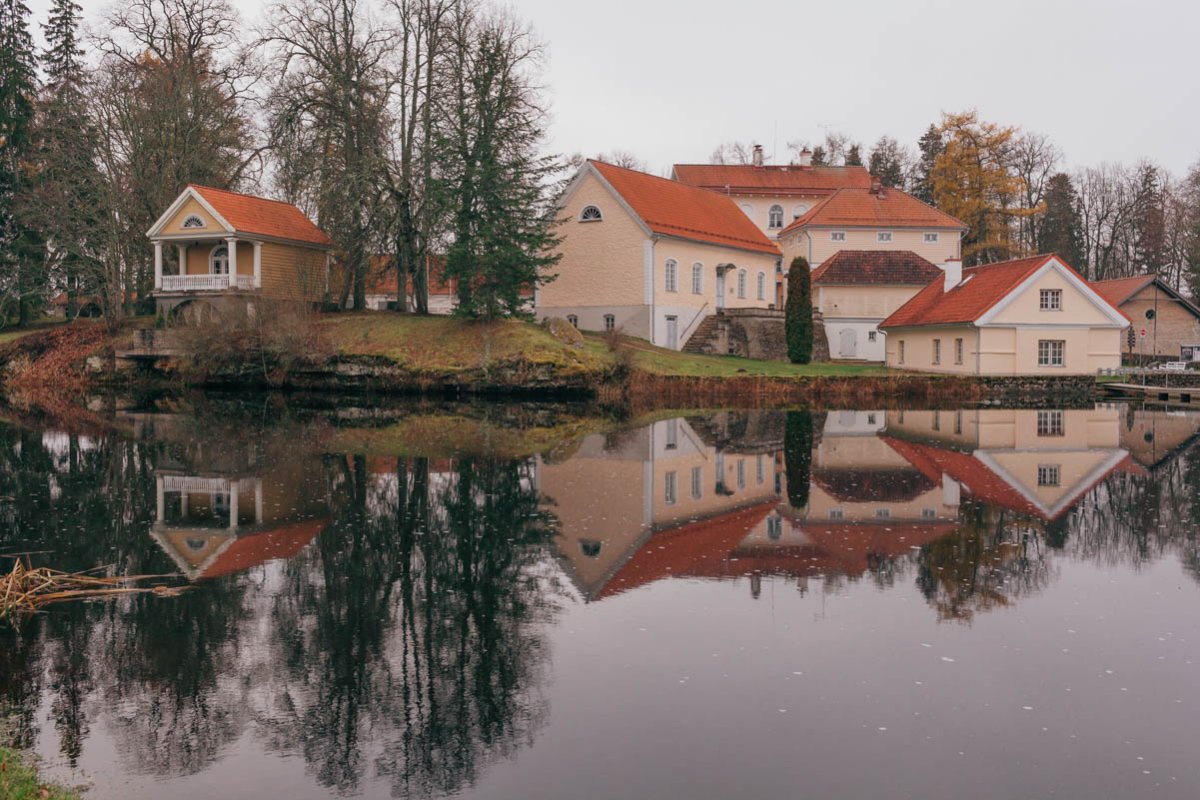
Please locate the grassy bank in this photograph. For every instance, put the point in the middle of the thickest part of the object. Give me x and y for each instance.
(19, 781)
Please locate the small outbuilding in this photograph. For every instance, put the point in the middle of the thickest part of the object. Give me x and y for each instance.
(1165, 324)
(1031, 316)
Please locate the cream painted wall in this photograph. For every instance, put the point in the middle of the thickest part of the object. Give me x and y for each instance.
(862, 302)
(758, 208)
(1005, 350)
(1011, 429)
(686, 253)
(816, 245)
(602, 262)
(1077, 309)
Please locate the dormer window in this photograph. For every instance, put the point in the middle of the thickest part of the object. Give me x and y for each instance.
(590, 214)
(884, 237)
(193, 221)
(775, 217)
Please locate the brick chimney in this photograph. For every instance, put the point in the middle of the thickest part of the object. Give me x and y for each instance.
(952, 270)
(758, 155)
(877, 186)
(806, 158)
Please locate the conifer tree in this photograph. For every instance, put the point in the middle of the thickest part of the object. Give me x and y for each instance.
(887, 162)
(798, 312)
(1061, 228)
(18, 85)
(931, 145)
(798, 441)
(854, 155)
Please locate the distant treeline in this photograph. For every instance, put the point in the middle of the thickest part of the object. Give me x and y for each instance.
(404, 127)
(1012, 188)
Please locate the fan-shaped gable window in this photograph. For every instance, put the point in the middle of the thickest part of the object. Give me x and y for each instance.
(590, 214)
(193, 221)
(775, 217)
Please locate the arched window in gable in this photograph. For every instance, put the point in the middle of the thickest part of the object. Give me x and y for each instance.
(193, 221)
(590, 214)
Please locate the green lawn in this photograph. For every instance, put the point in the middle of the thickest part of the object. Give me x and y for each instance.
(12, 334)
(19, 781)
(449, 345)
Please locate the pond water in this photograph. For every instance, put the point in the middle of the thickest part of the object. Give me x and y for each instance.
(486, 602)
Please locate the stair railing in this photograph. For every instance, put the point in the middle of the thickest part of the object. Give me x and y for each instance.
(688, 328)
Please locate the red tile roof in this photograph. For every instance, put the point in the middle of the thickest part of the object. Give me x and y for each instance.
(253, 549)
(890, 208)
(782, 181)
(854, 267)
(670, 208)
(258, 215)
(981, 288)
(1118, 290)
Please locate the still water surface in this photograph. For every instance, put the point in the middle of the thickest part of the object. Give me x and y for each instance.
(887, 604)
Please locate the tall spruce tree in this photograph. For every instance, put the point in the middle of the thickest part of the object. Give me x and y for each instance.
(854, 155)
(931, 145)
(887, 162)
(503, 222)
(798, 312)
(1061, 228)
(19, 250)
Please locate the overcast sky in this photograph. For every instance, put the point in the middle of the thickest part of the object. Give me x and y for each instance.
(668, 81)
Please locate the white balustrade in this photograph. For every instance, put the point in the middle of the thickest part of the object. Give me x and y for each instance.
(205, 283)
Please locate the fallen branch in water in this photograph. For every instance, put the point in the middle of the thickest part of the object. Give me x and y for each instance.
(26, 589)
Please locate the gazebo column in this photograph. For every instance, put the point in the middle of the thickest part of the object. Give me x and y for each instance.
(234, 486)
(181, 250)
(231, 244)
(258, 502)
(158, 256)
(258, 265)
(160, 510)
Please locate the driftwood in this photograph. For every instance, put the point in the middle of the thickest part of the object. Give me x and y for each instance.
(26, 589)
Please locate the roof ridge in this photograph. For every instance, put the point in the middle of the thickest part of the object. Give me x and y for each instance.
(242, 194)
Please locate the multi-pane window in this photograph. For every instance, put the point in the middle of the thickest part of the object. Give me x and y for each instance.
(928, 513)
(931, 238)
(872, 336)
(958, 351)
(762, 286)
(741, 284)
(671, 276)
(697, 482)
(1050, 423)
(610, 322)
(758, 469)
(1049, 474)
(775, 217)
(937, 351)
(590, 214)
(741, 473)
(837, 513)
(774, 527)
(883, 237)
(1051, 352)
(937, 421)
(900, 350)
(672, 434)
(837, 236)
(574, 320)
(1050, 300)
(669, 488)
(958, 422)
(883, 513)
(697, 279)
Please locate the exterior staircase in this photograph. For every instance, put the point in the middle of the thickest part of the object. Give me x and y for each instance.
(709, 336)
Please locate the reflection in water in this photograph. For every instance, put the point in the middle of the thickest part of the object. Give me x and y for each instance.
(389, 618)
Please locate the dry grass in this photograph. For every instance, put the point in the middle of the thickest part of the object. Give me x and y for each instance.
(26, 589)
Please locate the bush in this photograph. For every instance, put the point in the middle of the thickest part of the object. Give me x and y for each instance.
(798, 312)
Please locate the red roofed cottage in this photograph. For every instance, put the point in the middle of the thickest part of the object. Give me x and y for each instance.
(214, 247)
(654, 257)
(1032, 316)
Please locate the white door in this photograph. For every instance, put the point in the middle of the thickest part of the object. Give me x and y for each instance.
(849, 343)
(673, 333)
(721, 289)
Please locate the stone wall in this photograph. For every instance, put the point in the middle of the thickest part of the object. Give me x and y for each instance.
(1035, 391)
(759, 333)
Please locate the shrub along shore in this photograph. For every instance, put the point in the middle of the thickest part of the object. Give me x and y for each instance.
(389, 353)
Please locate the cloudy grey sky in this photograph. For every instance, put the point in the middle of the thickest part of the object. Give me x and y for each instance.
(668, 81)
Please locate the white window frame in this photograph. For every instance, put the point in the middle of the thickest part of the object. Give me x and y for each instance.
(697, 278)
(932, 238)
(883, 237)
(1050, 300)
(697, 482)
(872, 336)
(610, 322)
(1051, 423)
(741, 284)
(775, 217)
(672, 435)
(762, 286)
(574, 320)
(671, 276)
(1049, 475)
(741, 473)
(958, 350)
(837, 236)
(214, 260)
(670, 488)
(937, 351)
(583, 214)
(1052, 353)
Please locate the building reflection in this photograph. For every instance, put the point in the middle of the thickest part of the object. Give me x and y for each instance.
(708, 497)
